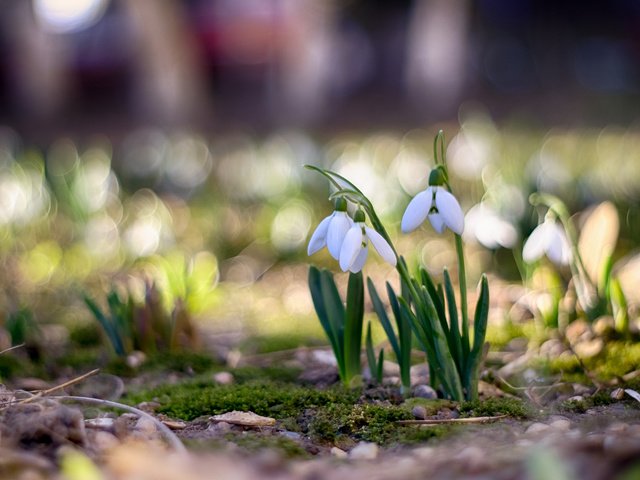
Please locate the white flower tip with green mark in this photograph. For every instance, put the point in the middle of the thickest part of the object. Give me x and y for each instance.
(355, 248)
(550, 239)
(439, 205)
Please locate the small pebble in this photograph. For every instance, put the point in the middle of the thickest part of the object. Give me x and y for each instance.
(425, 391)
(364, 451)
(617, 394)
(562, 425)
(419, 412)
(537, 427)
(144, 425)
(224, 378)
(338, 453)
(102, 440)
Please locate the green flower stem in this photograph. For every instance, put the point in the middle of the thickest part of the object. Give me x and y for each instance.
(462, 280)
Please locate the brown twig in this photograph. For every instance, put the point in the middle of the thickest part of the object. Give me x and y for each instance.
(11, 348)
(444, 421)
(48, 391)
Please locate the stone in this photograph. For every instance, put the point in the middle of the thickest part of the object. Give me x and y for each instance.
(246, 419)
(103, 441)
(562, 425)
(364, 451)
(536, 428)
(577, 331)
(604, 326)
(419, 412)
(174, 425)
(589, 348)
(102, 423)
(617, 394)
(146, 426)
(425, 391)
(338, 453)
(223, 378)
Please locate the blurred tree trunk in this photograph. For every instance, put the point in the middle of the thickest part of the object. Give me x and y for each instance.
(170, 84)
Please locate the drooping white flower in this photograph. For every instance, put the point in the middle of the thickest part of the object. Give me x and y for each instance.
(331, 231)
(550, 239)
(437, 204)
(484, 225)
(355, 247)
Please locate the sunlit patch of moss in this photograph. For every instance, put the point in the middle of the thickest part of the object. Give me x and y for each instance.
(601, 398)
(500, 335)
(495, 406)
(616, 359)
(372, 423)
(190, 400)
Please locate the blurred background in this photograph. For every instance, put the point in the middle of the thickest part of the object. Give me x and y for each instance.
(165, 139)
(106, 66)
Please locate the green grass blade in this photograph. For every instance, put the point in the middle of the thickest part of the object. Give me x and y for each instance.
(107, 325)
(378, 306)
(353, 324)
(316, 287)
(405, 336)
(380, 369)
(455, 341)
(371, 354)
(479, 333)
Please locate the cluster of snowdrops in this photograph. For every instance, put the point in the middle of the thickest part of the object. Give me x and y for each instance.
(421, 309)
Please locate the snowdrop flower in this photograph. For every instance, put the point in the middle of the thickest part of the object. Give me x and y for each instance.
(483, 224)
(436, 203)
(330, 232)
(550, 239)
(355, 247)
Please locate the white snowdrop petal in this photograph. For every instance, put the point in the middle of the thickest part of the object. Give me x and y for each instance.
(359, 261)
(319, 237)
(416, 211)
(437, 222)
(558, 249)
(381, 245)
(450, 211)
(338, 228)
(351, 246)
(536, 244)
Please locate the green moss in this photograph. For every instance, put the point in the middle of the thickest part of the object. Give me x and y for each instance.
(494, 406)
(189, 362)
(372, 423)
(253, 442)
(616, 359)
(11, 365)
(86, 335)
(193, 399)
(432, 407)
(277, 374)
(276, 343)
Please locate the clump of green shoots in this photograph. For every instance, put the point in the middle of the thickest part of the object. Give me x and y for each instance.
(597, 292)
(144, 325)
(430, 310)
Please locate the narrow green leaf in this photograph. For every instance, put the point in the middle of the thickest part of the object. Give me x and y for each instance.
(380, 371)
(405, 337)
(371, 355)
(318, 296)
(479, 334)
(378, 306)
(107, 325)
(353, 324)
(619, 307)
(455, 342)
